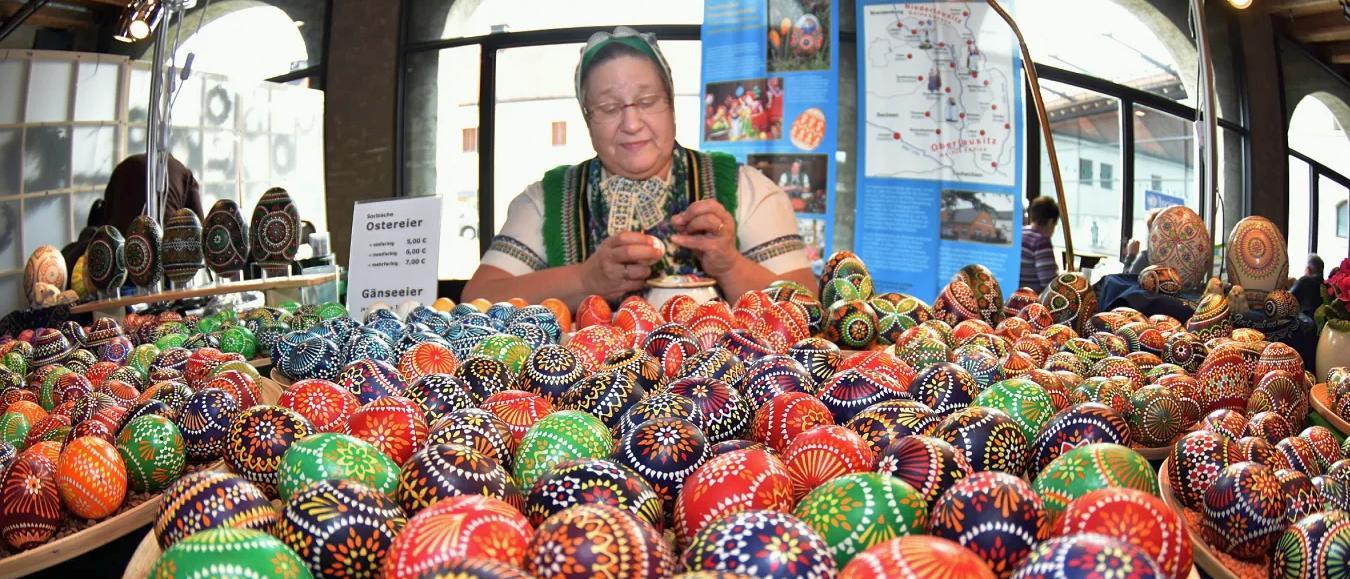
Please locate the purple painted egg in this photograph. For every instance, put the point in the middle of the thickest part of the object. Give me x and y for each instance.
(593, 481)
(1197, 458)
(1079, 425)
(930, 465)
(945, 387)
(1002, 532)
(884, 423)
(773, 375)
(447, 470)
(369, 380)
(206, 423)
(748, 542)
(1245, 510)
(726, 413)
(990, 439)
(850, 392)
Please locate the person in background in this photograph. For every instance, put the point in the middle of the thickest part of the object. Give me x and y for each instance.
(794, 180)
(1135, 259)
(1038, 255)
(1308, 289)
(644, 206)
(76, 248)
(124, 197)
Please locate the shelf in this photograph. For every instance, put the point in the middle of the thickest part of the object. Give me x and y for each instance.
(253, 285)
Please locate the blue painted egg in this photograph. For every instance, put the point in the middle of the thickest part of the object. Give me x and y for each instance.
(818, 356)
(660, 405)
(884, 423)
(485, 376)
(1245, 510)
(341, 528)
(982, 364)
(593, 481)
(990, 439)
(369, 345)
(854, 390)
(439, 394)
(478, 429)
(750, 542)
(1309, 548)
(1079, 425)
(744, 345)
(1002, 532)
(205, 423)
(772, 375)
(930, 465)
(945, 387)
(369, 380)
(726, 414)
(210, 500)
(446, 470)
(550, 371)
(315, 357)
(717, 363)
(664, 452)
(642, 367)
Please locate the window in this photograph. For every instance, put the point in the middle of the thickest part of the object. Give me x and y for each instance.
(1106, 172)
(1085, 171)
(1343, 219)
(559, 133)
(470, 143)
(1086, 127)
(1155, 182)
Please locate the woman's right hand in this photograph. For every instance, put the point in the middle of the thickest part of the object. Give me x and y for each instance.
(620, 265)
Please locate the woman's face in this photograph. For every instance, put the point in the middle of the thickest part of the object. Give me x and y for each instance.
(636, 145)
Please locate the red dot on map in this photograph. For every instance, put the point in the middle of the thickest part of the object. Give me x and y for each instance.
(921, 77)
(909, 56)
(963, 115)
(939, 131)
(953, 64)
(995, 164)
(986, 83)
(895, 135)
(981, 132)
(966, 13)
(1006, 125)
(995, 106)
(949, 89)
(927, 114)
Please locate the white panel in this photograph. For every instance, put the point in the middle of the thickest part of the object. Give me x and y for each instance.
(11, 297)
(96, 89)
(93, 154)
(9, 235)
(12, 74)
(46, 221)
(49, 91)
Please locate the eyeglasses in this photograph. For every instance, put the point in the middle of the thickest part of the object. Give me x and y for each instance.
(611, 112)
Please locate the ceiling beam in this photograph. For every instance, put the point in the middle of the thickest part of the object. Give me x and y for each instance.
(1298, 7)
(1321, 30)
(51, 17)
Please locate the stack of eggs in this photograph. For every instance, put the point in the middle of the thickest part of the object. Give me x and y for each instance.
(91, 425)
(993, 438)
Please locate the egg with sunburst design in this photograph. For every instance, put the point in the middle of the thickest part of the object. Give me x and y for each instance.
(394, 424)
(558, 437)
(738, 481)
(325, 522)
(1071, 301)
(990, 439)
(1244, 510)
(478, 429)
(726, 414)
(1078, 425)
(258, 438)
(439, 471)
(593, 481)
(928, 464)
(664, 452)
(820, 357)
(324, 404)
(152, 450)
(1118, 512)
(1091, 467)
(856, 511)
(1002, 531)
(30, 511)
(1306, 549)
(1256, 255)
(206, 500)
(916, 557)
(471, 528)
(274, 231)
(752, 542)
(1197, 458)
(632, 547)
(105, 259)
(851, 324)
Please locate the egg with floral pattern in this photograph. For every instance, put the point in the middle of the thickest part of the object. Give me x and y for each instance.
(1079, 425)
(393, 424)
(738, 481)
(478, 429)
(755, 542)
(1197, 458)
(229, 551)
(990, 439)
(258, 439)
(916, 557)
(726, 414)
(593, 481)
(1091, 467)
(664, 452)
(1002, 531)
(1119, 512)
(30, 511)
(823, 453)
(153, 451)
(560, 436)
(334, 456)
(564, 542)
(605, 395)
(928, 464)
(1066, 557)
(473, 528)
(445, 470)
(1244, 510)
(206, 500)
(324, 404)
(1307, 548)
(341, 528)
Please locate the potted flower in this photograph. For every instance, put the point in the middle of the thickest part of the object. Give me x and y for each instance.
(1333, 317)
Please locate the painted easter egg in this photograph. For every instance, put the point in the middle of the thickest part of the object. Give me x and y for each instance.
(944, 387)
(1308, 548)
(182, 246)
(105, 259)
(1244, 510)
(1178, 239)
(439, 394)
(144, 251)
(478, 429)
(393, 424)
(475, 528)
(446, 470)
(851, 391)
(632, 547)
(1156, 416)
(990, 439)
(735, 482)
(664, 452)
(928, 464)
(274, 231)
(324, 404)
(153, 451)
(786, 416)
(1060, 557)
(1076, 426)
(560, 436)
(550, 371)
(818, 356)
(1022, 400)
(916, 557)
(206, 500)
(45, 265)
(1256, 255)
(229, 552)
(206, 423)
(746, 543)
(1160, 279)
(605, 395)
(257, 440)
(851, 324)
(726, 414)
(1091, 467)
(369, 380)
(323, 523)
(1002, 533)
(1197, 458)
(91, 477)
(225, 237)
(30, 509)
(824, 453)
(334, 456)
(593, 481)
(1118, 512)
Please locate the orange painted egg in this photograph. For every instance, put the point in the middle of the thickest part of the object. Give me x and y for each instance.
(91, 477)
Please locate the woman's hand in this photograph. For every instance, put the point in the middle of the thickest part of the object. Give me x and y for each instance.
(620, 265)
(706, 229)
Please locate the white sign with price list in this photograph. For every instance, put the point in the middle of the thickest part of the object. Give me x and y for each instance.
(394, 252)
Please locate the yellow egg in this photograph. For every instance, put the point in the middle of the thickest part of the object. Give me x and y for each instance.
(78, 279)
(443, 304)
(481, 304)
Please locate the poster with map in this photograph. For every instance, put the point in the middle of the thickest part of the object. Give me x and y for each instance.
(940, 140)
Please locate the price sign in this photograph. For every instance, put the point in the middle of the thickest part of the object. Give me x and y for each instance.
(394, 252)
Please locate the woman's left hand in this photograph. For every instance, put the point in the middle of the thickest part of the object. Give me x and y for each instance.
(706, 229)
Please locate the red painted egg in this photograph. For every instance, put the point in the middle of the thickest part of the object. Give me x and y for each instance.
(592, 344)
(787, 415)
(1324, 442)
(463, 527)
(1197, 458)
(593, 310)
(324, 404)
(393, 424)
(823, 453)
(30, 504)
(427, 358)
(518, 409)
(917, 557)
(1135, 517)
(735, 482)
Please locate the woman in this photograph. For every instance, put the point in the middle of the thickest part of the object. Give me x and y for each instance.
(1038, 255)
(645, 206)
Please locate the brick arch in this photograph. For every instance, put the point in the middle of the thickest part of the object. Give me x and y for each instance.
(311, 13)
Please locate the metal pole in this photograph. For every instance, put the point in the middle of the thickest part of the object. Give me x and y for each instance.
(1207, 134)
(152, 129)
(19, 17)
(1030, 67)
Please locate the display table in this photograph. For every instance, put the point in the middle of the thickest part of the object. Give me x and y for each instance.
(277, 288)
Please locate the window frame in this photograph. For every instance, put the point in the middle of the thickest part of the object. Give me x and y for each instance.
(1316, 171)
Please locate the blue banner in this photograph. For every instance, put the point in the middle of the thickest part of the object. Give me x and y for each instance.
(771, 98)
(940, 144)
(1159, 200)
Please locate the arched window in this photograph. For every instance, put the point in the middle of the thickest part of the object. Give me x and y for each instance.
(249, 41)
(1319, 161)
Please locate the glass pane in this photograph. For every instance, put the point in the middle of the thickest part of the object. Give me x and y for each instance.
(187, 104)
(46, 221)
(256, 109)
(1315, 132)
(275, 44)
(257, 149)
(138, 95)
(218, 152)
(283, 157)
(186, 146)
(1086, 126)
(1299, 196)
(46, 159)
(212, 192)
(432, 19)
(11, 151)
(11, 297)
(12, 73)
(221, 103)
(284, 110)
(1139, 46)
(1331, 245)
(82, 202)
(49, 91)
(1164, 167)
(96, 91)
(442, 104)
(9, 236)
(93, 156)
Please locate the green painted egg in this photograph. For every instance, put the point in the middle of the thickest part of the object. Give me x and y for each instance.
(332, 310)
(239, 340)
(14, 428)
(856, 511)
(143, 356)
(335, 456)
(170, 341)
(1089, 468)
(504, 348)
(1023, 400)
(153, 450)
(227, 552)
(1156, 418)
(563, 435)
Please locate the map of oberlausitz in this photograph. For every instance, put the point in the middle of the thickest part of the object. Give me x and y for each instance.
(940, 93)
